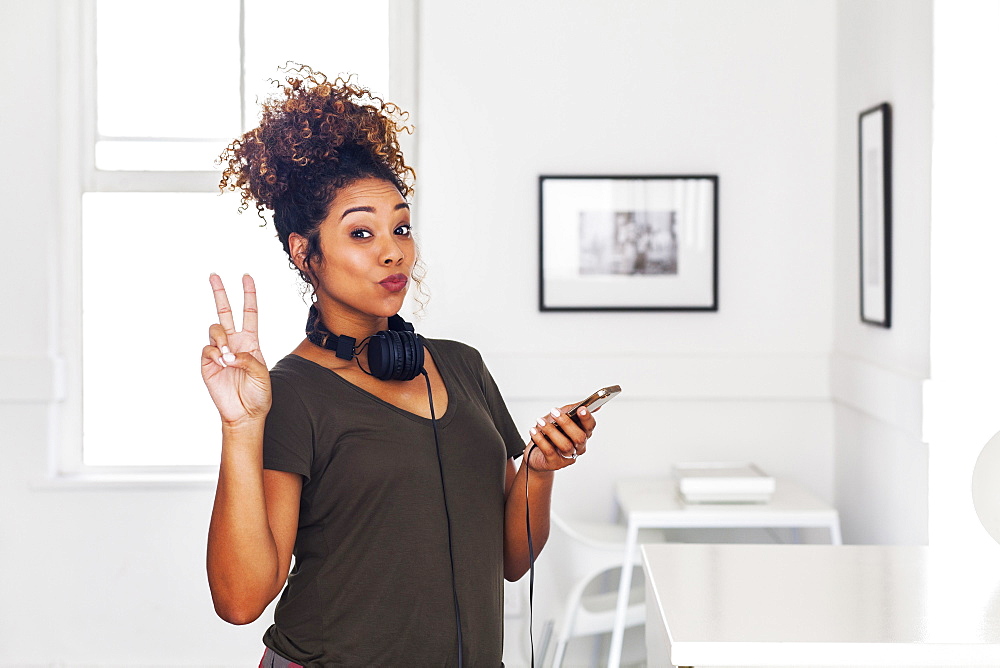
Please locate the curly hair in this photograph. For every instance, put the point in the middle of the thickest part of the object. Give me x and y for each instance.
(315, 137)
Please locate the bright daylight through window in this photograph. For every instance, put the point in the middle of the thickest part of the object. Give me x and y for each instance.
(172, 85)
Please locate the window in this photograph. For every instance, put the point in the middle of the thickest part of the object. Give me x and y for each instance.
(159, 91)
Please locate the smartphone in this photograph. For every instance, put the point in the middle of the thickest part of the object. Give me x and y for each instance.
(595, 401)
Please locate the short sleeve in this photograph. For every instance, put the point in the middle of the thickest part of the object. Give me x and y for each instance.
(501, 416)
(288, 431)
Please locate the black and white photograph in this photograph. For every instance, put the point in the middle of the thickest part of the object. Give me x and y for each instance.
(629, 243)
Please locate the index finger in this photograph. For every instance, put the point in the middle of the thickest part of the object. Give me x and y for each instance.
(249, 305)
(222, 304)
(583, 419)
(587, 419)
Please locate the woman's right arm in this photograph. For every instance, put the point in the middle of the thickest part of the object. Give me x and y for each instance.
(255, 516)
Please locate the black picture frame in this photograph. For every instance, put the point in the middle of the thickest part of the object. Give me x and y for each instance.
(875, 214)
(628, 242)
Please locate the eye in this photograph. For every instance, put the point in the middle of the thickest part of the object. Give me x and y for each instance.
(404, 230)
(360, 233)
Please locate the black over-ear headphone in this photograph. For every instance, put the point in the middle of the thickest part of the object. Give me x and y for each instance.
(396, 353)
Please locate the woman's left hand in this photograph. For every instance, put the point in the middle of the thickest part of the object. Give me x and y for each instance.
(560, 442)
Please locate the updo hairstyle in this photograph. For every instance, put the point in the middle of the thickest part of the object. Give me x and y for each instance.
(314, 138)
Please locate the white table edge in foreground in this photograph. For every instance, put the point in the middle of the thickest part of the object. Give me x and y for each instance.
(676, 515)
(834, 654)
(662, 646)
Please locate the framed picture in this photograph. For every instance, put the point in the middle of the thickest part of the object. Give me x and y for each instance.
(629, 243)
(875, 188)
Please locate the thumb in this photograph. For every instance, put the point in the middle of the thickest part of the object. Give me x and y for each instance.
(245, 361)
(228, 357)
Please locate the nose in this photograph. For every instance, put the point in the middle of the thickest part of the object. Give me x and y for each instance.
(392, 253)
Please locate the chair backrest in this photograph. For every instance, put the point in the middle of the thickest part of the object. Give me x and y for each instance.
(591, 542)
(597, 535)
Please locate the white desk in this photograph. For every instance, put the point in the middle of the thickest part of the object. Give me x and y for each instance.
(820, 605)
(653, 503)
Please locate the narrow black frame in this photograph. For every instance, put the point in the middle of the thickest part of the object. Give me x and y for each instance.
(878, 230)
(712, 178)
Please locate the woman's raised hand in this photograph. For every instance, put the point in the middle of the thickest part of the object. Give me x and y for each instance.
(232, 365)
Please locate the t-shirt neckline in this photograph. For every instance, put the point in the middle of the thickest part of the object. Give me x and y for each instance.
(445, 378)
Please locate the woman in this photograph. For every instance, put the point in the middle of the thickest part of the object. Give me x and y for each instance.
(400, 499)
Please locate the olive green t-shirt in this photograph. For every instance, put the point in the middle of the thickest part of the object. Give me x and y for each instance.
(372, 582)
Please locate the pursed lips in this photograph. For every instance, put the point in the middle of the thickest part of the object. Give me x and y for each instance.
(394, 283)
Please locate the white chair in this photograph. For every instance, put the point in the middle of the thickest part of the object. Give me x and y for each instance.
(595, 551)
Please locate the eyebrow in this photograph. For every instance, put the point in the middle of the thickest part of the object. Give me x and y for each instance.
(371, 209)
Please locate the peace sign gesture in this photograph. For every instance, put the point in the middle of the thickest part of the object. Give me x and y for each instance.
(232, 365)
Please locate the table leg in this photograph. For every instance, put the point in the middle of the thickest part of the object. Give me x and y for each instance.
(624, 588)
(835, 532)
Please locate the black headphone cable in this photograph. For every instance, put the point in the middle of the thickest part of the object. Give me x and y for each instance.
(531, 556)
(451, 551)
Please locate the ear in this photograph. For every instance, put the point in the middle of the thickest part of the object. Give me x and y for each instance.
(298, 249)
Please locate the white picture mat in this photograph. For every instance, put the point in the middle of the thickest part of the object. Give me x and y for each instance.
(565, 286)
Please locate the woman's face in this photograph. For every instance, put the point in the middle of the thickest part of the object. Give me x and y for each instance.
(367, 252)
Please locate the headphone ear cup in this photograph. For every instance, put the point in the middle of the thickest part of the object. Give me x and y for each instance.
(417, 360)
(394, 355)
(398, 356)
(410, 350)
(399, 370)
(398, 348)
(379, 356)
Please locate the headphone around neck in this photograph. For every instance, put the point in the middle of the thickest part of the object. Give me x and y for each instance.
(396, 353)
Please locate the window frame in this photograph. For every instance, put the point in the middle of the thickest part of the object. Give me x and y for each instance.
(78, 174)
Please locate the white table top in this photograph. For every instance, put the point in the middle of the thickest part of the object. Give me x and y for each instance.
(725, 605)
(655, 502)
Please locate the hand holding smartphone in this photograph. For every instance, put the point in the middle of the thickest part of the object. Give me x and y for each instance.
(594, 401)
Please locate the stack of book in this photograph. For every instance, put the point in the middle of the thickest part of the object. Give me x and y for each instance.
(723, 482)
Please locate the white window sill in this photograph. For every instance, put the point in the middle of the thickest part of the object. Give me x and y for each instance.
(200, 478)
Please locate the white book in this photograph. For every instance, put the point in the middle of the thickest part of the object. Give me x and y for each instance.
(723, 482)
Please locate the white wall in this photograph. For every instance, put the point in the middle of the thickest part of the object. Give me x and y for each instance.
(508, 91)
(964, 391)
(512, 91)
(883, 55)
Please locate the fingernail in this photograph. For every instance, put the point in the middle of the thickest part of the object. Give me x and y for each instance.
(582, 411)
(532, 431)
(555, 412)
(541, 422)
(229, 358)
